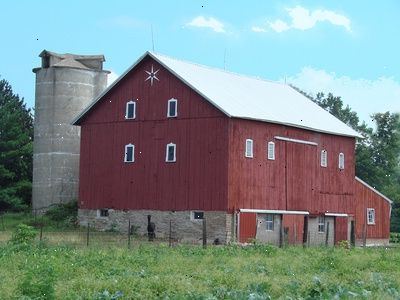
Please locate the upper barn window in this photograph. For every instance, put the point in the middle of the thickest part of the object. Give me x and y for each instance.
(130, 110)
(341, 161)
(172, 110)
(170, 155)
(248, 148)
(129, 153)
(271, 150)
(324, 158)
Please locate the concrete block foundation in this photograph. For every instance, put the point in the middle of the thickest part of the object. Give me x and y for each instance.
(184, 227)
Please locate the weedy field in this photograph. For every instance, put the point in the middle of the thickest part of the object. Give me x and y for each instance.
(59, 267)
(148, 271)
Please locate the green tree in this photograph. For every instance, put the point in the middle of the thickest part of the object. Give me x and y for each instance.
(16, 138)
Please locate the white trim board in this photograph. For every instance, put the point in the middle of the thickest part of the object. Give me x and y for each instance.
(286, 139)
(328, 214)
(273, 211)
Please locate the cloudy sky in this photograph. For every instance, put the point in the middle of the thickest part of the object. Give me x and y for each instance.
(349, 48)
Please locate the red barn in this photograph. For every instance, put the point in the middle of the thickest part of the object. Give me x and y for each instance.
(256, 159)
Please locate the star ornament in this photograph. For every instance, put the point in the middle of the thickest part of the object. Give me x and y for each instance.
(152, 75)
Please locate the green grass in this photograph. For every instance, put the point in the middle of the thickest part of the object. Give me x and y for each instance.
(149, 271)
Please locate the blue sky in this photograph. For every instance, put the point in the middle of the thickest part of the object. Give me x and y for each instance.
(349, 48)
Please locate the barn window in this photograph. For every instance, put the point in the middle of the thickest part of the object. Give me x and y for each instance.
(170, 153)
(341, 161)
(129, 153)
(172, 110)
(102, 213)
(370, 216)
(269, 222)
(130, 110)
(271, 150)
(324, 158)
(321, 224)
(197, 215)
(249, 148)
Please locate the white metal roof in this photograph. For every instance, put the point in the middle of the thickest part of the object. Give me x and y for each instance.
(247, 97)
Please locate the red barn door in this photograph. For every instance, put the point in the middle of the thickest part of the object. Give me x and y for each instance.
(247, 227)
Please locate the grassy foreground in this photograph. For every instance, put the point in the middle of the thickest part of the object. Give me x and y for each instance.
(190, 272)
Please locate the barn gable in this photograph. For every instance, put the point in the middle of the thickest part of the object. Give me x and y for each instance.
(245, 97)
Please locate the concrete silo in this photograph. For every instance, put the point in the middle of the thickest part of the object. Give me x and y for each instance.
(65, 85)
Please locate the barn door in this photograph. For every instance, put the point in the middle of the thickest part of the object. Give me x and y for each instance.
(247, 227)
(300, 173)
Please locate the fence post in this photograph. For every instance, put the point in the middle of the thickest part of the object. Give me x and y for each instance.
(170, 234)
(41, 231)
(129, 233)
(87, 234)
(327, 234)
(204, 233)
(295, 234)
(281, 234)
(305, 231)
(364, 236)
(2, 222)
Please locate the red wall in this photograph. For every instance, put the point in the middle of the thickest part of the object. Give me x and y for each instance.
(366, 198)
(294, 180)
(197, 180)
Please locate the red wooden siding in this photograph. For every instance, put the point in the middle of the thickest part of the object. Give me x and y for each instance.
(294, 180)
(366, 198)
(341, 229)
(247, 227)
(295, 226)
(197, 180)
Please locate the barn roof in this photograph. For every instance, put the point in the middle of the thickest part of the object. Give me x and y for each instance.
(247, 97)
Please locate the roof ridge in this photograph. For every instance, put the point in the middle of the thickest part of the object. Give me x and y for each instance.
(219, 69)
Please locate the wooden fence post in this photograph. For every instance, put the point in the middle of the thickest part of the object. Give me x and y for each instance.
(129, 233)
(2, 222)
(281, 234)
(352, 234)
(327, 235)
(204, 233)
(41, 231)
(87, 234)
(305, 231)
(170, 234)
(294, 234)
(364, 235)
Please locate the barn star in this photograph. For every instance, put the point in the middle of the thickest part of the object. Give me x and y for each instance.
(152, 75)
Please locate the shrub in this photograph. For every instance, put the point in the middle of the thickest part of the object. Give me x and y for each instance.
(23, 235)
(63, 213)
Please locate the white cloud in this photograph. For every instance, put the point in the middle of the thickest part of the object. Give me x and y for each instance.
(303, 19)
(363, 95)
(112, 77)
(279, 26)
(258, 29)
(209, 22)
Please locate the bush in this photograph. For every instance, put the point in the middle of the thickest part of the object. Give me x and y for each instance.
(23, 235)
(64, 213)
(394, 237)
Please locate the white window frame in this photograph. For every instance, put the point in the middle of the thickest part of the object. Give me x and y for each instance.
(134, 110)
(269, 224)
(324, 158)
(341, 161)
(271, 150)
(372, 220)
(321, 224)
(126, 153)
(166, 152)
(248, 152)
(169, 106)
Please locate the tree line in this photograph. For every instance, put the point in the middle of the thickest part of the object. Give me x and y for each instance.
(377, 153)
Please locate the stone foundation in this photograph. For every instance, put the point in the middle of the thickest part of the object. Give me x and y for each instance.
(183, 227)
(373, 242)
